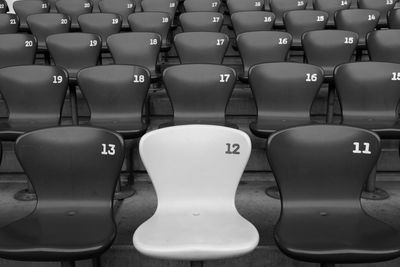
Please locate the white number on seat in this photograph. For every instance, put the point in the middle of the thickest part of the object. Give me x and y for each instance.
(371, 17)
(257, 3)
(283, 41)
(64, 21)
(300, 3)
(2, 6)
(93, 43)
(343, 3)
(220, 41)
(311, 77)
(232, 149)
(215, 19)
(44, 5)
(267, 19)
(357, 148)
(115, 21)
(129, 6)
(389, 2)
(214, 4)
(13, 21)
(171, 5)
(153, 41)
(86, 5)
(348, 40)
(320, 18)
(165, 20)
(28, 43)
(395, 76)
(57, 79)
(108, 149)
(224, 78)
(138, 78)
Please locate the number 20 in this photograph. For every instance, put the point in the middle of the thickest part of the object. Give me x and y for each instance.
(108, 149)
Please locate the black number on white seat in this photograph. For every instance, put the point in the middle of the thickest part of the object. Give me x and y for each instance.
(232, 149)
(108, 149)
(357, 148)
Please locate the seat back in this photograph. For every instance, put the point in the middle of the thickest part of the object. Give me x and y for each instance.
(157, 22)
(199, 92)
(322, 165)
(244, 5)
(72, 166)
(368, 91)
(102, 24)
(135, 48)
(166, 6)
(201, 21)
(121, 7)
(199, 165)
(360, 21)
(202, 6)
(3, 7)
(279, 7)
(9, 23)
(44, 25)
(74, 51)
(382, 6)
(34, 93)
(298, 22)
(284, 90)
(383, 45)
(114, 92)
(73, 9)
(263, 47)
(25, 8)
(331, 6)
(201, 47)
(250, 21)
(17, 49)
(394, 19)
(329, 48)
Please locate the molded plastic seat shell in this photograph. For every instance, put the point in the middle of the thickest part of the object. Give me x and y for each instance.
(9, 23)
(321, 173)
(279, 7)
(383, 45)
(251, 21)
(17, 49)
(25, 8)
(201, 21)
(382, 6)
(196, 217)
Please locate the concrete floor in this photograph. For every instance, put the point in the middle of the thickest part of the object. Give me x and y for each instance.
(251, 202)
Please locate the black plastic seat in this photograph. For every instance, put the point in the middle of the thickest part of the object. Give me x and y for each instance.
(136, 48)
(244, 5)
(73, 9)
(34, 95)
(9, 23)
(157, 22)
(369, 93)
(250, 21)
(284, 93)
(17, 49)
(44, 25)
(298, 22)
(331, 6)
(201, 21)
(279, 7)
(201, 47)
(262, 47)
(102, 24)
(3, 6)
(394, 18)
(74, 171)
(360, 21)
(202, 6)
(121, 7)
(383, 6)
(166, 6)
(199, 93)
(329, 48)
(321, 170)
(116, 95)
(383, 45)
(25, 8)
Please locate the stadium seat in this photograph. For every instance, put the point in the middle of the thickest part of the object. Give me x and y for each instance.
(251, 21)
(201, 47)
(360, 21)
(157, 22)
(394, 19)
(279, 7)
(74, 171)
(199, 93)
(9, 23)
(3, 6)
(73, 9)
(17, 49)
(166, 6)
(383, 45)
(369, 93)
(44, 25)
(102, 24)
(202, 6)
(121, 7)
(331, 6)
(200, 169)
(298, 22)
(201, 21)
(262, 47)
(321, 170)
(383, 6)
(244, 5)
(25, 8)
(136, 48)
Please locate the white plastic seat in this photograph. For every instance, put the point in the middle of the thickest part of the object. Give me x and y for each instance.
(195, 170)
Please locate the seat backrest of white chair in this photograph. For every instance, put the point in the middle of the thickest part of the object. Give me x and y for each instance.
(195, 166)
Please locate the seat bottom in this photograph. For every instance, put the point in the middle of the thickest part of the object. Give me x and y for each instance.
(266, 128)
